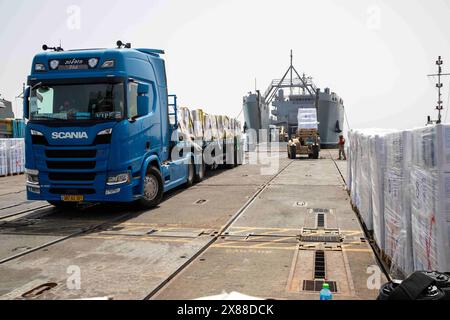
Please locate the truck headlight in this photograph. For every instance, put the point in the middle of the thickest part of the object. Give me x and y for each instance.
(36, 133)
(105, 132)
(118, 179)
(32, 177)
(108, 64)
(39, 67)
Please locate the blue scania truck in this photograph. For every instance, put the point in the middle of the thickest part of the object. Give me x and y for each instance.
(102, 128)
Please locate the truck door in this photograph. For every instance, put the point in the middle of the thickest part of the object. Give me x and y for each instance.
(143, 129)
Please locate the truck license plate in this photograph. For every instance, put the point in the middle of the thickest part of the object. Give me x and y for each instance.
(72, 198)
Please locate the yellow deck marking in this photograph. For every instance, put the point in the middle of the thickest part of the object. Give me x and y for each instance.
(254, 248)
(272, 241)
(137, 238)
(264, 228)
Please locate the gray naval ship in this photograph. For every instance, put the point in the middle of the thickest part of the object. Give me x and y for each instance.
(6, 109)
(286, 96)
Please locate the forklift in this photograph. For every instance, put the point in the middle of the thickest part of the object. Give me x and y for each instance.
(304, 142)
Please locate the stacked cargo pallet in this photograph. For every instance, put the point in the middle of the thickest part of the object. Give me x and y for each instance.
(430, 198)
(399, 183)
(12, 128)
(200, 126)
(12, 156)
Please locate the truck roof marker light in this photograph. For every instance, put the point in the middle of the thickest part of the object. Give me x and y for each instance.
(93, 62)
(39, 67)
(54, 64)
(108, 64)
(36, 133)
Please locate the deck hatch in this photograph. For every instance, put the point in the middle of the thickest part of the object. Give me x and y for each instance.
(320, 220)
(319, 264)
(316, 285)
(320, 210)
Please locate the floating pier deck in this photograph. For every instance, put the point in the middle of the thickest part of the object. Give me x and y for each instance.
(276, 235)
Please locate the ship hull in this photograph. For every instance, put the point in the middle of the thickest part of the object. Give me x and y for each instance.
(256, 115)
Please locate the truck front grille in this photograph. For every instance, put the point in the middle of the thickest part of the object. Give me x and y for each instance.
(40, 140)
(71, 165)
(71, 176)
(71, 153)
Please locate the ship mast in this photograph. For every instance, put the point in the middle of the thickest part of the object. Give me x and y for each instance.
(291, 68)
(439, 86)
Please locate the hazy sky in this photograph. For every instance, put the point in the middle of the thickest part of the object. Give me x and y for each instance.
(374, 54)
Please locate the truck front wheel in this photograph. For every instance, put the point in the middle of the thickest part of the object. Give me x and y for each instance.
(153, 189)
(315, 150)
(292, 152)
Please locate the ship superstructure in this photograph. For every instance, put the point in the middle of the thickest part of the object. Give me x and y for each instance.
(287, 95)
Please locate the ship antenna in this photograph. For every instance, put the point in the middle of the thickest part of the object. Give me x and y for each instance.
(439, 86)
(292, 67)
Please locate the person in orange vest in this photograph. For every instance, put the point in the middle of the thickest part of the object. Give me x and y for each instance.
(341, 144)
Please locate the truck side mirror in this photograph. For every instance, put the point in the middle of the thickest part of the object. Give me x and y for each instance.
(26, 103)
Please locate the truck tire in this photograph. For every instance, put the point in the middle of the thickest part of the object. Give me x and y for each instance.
(201, 171)
(63, 205)
(240, 154)
(191, 174)
(315, 153)
(153, 189)
(293, 152)
(236, 155)
(233, 164)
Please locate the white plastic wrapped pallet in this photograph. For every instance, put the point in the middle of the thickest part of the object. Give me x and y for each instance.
(354, 164)
(365, 185)
(430, 193)
(397, 203)
(430, 224)
(307, 118)
(16, 159)
(214, 127)
(4, 146)
(348, 180)
(377, 162)
(185, 123)
(197, 120)
(12, 156)
(360, 175)
(207, 128)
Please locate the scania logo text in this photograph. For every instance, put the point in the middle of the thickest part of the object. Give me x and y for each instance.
(69, 135)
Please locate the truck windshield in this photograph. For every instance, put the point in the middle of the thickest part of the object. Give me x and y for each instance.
(77, 102)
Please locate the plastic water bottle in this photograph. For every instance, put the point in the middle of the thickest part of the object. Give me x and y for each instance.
(325, 293)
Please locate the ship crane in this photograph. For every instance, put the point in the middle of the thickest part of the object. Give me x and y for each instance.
(291, 79)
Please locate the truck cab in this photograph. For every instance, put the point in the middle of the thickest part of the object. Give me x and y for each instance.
(101, 128)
